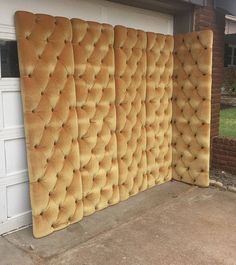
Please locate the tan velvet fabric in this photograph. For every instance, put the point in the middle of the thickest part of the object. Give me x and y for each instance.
(51, 126)
(97, 111)
(95, 94)
(191, 107)
(159, 107)
(130, 76)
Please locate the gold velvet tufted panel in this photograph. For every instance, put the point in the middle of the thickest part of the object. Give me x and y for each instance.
(95, 94)
(191, 107)
(51, 127)
(98, 103)
(130, 77)
(159, 107)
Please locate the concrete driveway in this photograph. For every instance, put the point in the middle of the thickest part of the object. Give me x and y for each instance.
(173, 223)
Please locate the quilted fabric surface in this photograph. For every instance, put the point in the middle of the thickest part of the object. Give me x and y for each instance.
(159, 107)
(98, 103)
(191, 107)
(95, 94)
(51, 126)
(130, 76)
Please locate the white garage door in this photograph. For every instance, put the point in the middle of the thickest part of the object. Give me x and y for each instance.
(14, 191)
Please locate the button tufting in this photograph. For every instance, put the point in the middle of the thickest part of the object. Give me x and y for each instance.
(138, 103)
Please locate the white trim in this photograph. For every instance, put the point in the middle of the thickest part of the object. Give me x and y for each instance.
(15, 223)
(12, 133)
(7, 32)
(2, 160)
(1, 111)
(15, 178)
(10, 84)
(230, 17)
(3, 204)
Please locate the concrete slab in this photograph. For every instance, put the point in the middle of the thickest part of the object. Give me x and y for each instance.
(169, 224)
(10, 254)
(99, 222)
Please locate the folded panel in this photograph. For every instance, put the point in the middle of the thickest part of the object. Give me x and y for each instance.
(130, 77)
(51, 128)
(95, 96)
(159, 107)
(191, 107)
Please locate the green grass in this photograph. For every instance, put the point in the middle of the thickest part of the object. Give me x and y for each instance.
(228, 122)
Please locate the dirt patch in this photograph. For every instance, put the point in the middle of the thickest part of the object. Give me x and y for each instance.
(224, 177)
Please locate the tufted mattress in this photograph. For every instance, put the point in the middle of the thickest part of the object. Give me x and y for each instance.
(109, 112)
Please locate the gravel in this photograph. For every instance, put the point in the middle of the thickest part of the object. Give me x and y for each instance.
(223, 180)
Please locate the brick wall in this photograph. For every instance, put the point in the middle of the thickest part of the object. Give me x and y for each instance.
(223, 150)
(208, 18)
(224, 154)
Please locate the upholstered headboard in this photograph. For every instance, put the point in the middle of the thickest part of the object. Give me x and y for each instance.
(98, 103)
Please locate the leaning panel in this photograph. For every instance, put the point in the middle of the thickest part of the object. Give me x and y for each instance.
(95, 104)
(191, 107)
(159, 107)
(130, 78)
(51, 128)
